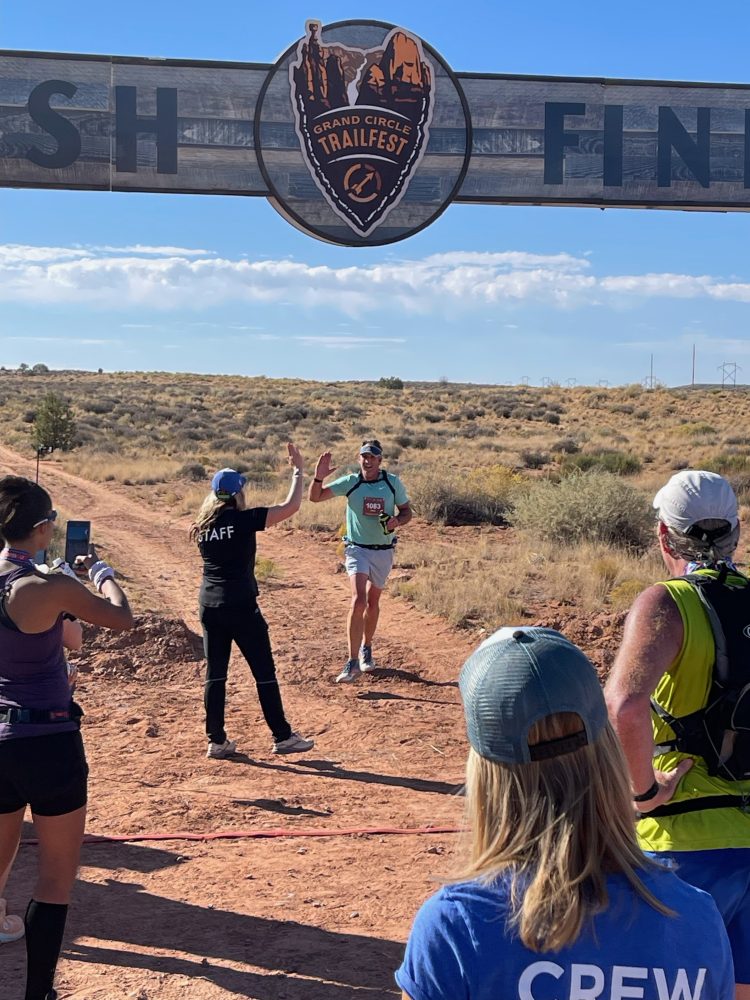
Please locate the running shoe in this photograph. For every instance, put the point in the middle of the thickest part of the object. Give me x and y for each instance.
(293, 744)
(218, 751)
(350, 672)
(366, 662)
(11, 927)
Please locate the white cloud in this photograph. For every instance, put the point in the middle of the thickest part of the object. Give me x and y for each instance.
(64, 341)
(152, 251)
(174, 278)
(346, 343)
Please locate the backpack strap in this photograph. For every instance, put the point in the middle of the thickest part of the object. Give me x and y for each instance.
(684, 727)
(741, 802)
(389, 484)
(360, 480)
(384, 477)
(700, 585)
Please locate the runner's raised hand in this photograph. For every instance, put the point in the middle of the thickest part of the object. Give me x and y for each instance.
(294, 457)
(325, 466)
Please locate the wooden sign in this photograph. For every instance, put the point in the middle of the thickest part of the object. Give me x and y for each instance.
(361, 134)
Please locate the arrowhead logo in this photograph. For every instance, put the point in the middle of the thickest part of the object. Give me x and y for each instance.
(363, 118)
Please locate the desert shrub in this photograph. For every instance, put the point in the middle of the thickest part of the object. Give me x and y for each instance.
(492, 488)
(95, 405)
(534, 459)
(403, 440)
(347, 411)
(741, 485)
(551, 417)
(725, 463)
(591, 506)
(633, 390)
(617, 462)
(194, 472)
(623, 595)
(432, 418)
(324, 434)
(695, 430)
(566, 446)
(483, 496)
(421, 441)
(266, 569)
(391, 382)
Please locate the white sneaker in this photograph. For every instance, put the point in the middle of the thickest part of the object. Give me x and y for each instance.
(218, 751)
(366, 662)
(11, 927)
(293, 744)
(350, 672)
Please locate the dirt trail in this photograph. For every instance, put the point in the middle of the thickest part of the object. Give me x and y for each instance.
(270, 919)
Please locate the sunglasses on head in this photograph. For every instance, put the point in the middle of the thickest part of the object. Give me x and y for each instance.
(52, 516)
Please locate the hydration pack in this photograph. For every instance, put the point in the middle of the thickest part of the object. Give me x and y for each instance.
(720, 731)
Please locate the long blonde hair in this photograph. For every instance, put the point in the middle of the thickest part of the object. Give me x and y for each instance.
(556, 827)
(209, 511)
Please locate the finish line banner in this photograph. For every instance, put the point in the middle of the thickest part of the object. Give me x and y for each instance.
(361, 134)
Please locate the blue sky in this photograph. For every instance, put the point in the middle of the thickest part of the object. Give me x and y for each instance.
(562, 293)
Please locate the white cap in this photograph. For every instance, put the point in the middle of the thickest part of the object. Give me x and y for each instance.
(693, 496)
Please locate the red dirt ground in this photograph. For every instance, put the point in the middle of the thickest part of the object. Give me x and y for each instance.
(289, 918)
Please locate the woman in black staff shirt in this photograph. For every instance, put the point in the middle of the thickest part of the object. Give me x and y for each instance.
(225, 532)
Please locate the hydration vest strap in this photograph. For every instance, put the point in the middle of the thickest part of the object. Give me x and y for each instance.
(383, 477)
(741, 802)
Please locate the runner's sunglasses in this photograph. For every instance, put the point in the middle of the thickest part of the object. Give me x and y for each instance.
(52, 516)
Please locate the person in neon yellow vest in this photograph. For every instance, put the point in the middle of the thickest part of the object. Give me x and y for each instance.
(690, 785)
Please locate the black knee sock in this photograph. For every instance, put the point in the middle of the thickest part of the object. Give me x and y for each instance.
(45, 924)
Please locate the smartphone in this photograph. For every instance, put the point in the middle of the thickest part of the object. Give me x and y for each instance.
(77, 540)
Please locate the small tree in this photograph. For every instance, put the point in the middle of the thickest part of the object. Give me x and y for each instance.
(39, 369)
(54, 424)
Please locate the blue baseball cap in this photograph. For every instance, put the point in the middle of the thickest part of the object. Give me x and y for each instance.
(370, 448)
(226, 483)
(517, 677)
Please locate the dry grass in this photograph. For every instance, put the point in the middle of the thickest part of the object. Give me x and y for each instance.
(466, 453)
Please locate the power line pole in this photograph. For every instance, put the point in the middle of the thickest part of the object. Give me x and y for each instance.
(692, 381)
(649, 381)
(729, 371)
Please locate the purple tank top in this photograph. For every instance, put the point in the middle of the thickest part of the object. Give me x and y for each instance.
(32, 673)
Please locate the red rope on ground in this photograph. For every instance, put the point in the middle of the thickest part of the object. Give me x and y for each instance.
(93, 838)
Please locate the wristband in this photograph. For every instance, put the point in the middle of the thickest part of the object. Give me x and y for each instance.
(106, 574)
(652, 792)
(316, 480)
(100, 572)
(297, 472)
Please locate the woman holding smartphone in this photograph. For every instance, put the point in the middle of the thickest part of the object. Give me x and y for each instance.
(42, 759)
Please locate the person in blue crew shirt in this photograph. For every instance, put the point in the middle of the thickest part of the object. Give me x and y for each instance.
(377, 504)
(556, 901)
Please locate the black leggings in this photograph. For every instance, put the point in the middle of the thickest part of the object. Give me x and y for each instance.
(248, 628)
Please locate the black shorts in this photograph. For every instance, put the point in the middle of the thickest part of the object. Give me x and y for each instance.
(48, 773)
